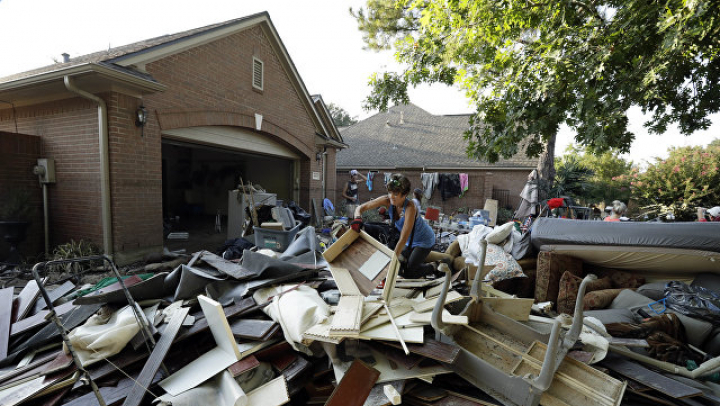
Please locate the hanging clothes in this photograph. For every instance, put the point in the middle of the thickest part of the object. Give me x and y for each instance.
(463, 183)
(387, 177)
(429, 183)
(369, 181)
(449, 185)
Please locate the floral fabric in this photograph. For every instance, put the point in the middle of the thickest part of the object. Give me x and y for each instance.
(550, 267)
(569, 286)
(600, 299)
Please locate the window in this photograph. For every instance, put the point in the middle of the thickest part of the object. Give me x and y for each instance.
(257, 74)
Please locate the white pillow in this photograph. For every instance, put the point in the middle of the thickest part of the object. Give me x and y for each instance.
(500, 233)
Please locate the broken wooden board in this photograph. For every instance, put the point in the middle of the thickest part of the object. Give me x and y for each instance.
(348, 315)
(54, 295)
(432, 349)
(387, 332)
(39, 319)
(73, 318)
(273, 393)
(428, 304)
(246, 364)
(515, 308)
(344, 282)
(25, 300)
(209, 364)
(397, 356)
(355, 385)
(321, 332)
(137, 392)
(252, 329)
(6, 306)
(111, 394)
(377, 396)
(647, 377)
(387, 373)
(24, 391)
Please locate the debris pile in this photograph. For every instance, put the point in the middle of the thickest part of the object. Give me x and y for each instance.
(309, 325)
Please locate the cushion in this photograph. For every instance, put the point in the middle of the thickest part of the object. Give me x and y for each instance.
(708, 281)
(505, 265)
(653, 290)
(568, 290)
(600, 299)
(629, 299)
(550, 267)
(608, 316)
(622, 279)
(500, 233)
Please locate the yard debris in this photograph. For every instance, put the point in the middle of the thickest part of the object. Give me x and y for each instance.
(312, 326)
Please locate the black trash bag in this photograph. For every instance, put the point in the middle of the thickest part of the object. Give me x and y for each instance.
(384, 233)
(693, 301)
(233, 249)
(300, 215)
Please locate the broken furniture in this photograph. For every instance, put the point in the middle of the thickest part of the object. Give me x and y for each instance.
(519, 363)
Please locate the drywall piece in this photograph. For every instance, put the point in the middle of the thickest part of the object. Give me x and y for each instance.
(347, 316)
(209, 364)
(273, 393)
(429, 304)
(374, 265)
(6, 301)
(515, 308)
(252, 329)
(355, 385)
(447, 318)
(151, 367)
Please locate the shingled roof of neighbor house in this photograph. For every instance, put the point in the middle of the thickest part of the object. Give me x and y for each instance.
(407, 136)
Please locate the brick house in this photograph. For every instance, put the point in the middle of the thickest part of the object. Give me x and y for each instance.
(222, 102)
(409, 140)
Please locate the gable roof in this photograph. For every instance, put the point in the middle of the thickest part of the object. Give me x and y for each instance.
(407, 136)
(128, 62)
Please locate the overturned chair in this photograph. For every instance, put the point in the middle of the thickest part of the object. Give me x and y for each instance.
(520, 362)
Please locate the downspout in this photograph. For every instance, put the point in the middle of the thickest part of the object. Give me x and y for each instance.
(104, 162)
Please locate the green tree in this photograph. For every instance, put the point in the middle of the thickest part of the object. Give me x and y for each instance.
(532, 65)
(687, 179)
(340, 117)
(607, 182)
(571, 179)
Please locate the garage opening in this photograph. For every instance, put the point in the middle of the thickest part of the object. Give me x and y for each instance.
(196, 181)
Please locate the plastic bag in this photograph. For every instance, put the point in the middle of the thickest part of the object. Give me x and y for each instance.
(693, 301)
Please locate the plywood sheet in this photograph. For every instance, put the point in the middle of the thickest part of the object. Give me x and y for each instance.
(25, 300)
(386, 332)
(429, 304)
(219, 326)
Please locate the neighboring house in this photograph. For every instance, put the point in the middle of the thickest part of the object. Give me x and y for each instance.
(409, 140)
(222, 102)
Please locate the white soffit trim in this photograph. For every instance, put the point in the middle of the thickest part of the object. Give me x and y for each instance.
(233, 137)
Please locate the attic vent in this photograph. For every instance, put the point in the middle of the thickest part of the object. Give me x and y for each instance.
(257, 74)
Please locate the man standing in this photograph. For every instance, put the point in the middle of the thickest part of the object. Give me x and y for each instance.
(350, 192)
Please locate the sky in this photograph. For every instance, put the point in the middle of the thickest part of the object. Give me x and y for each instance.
(320, 35)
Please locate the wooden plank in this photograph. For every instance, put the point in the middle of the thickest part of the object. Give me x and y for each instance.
(39, 319)
(398, 356)
(111, 394)
(243, 307)
(447, 318)
(54, 295)
(137, 392)
(355, 385)
(387, 332)
(647, 377)
(251, 329)
(25, 300)
(6, 306)
(344, 281)
(428, 304)
(432, 349)
(246, 364)
(377, 395)
(389, 373)
(347, 315)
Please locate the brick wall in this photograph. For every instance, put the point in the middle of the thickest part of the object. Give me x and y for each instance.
(68, 130)
(480, 187)
(18, 155)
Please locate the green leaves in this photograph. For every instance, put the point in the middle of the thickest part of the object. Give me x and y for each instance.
(531, 66)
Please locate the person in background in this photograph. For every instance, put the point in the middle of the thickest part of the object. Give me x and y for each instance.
(618, 212)
(350, 192)
(713, 213)
(416, 236)
(417, 197)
